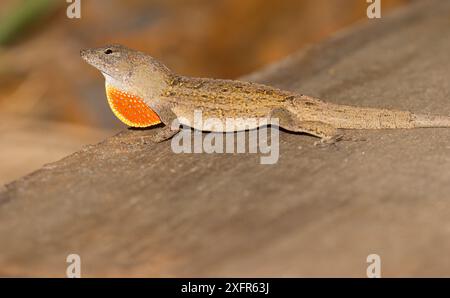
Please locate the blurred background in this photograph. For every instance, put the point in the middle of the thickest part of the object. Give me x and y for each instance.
(52, 103)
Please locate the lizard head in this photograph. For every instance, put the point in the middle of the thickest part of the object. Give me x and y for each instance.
(128, 69)
(133, 80)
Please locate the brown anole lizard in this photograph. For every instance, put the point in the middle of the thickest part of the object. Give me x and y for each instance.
(143, 92)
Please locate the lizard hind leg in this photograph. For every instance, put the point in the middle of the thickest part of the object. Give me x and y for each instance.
(289, 121)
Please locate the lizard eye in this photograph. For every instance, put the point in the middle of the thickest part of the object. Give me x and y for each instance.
(108, 51)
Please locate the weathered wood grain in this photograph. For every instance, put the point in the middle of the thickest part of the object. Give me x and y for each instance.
(134, 209)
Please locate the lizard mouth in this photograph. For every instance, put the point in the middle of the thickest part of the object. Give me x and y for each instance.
(130, 109)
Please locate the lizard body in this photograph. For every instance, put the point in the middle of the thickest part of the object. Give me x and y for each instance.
(143, 92)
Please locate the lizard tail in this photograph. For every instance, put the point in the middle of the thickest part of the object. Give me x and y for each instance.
(370, 118)
(430, 121)
(350, 117)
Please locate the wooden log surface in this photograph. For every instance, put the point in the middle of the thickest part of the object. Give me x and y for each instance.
(132, 208)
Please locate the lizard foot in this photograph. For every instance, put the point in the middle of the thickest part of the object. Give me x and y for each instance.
(160, 136)
(164, 134)
(354, 139)
(328, 141)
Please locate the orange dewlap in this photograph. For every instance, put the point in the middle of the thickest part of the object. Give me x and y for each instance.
(130, 109)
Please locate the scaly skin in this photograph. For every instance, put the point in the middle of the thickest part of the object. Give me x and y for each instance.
(173, 97)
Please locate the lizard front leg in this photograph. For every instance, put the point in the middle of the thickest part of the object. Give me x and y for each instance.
(289, 121)
(171, 125)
